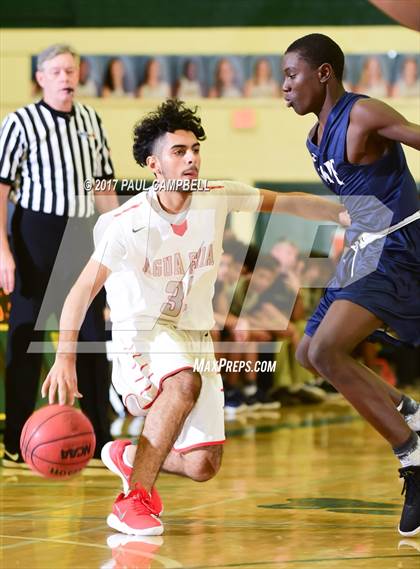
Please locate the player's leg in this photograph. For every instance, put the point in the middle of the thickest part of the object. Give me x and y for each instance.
(197, 451)
(407, 406)
(137, 512)
(199, 464)
(341, 330)
(163, 424)
(344, 326)
(301, 353)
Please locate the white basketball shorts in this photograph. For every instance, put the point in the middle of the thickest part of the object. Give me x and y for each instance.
(143, 360)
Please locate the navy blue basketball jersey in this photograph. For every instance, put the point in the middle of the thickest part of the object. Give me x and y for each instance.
(383, 277)
(376, 195)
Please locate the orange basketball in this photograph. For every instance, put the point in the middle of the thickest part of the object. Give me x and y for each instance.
(57, 441)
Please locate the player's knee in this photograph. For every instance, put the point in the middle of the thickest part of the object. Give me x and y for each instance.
(301, 356)
(323, 357)
(185, 384)
(206, 468)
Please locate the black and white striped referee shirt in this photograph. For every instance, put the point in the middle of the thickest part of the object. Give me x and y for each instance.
(47, 156)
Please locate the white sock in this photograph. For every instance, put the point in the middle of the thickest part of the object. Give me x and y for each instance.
(413, 421)
(412, 459)
(409, 453)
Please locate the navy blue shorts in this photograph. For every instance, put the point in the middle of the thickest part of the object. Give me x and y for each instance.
(389, 289)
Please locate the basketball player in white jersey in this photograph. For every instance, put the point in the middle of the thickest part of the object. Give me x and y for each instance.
(158, 256)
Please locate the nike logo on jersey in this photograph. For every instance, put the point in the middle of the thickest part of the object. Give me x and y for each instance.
(136, 230)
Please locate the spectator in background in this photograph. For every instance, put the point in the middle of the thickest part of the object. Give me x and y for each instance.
(372, 81)
(233, 265)
(86, 86)
(153, 86)
(315, 276)
(289, 263)
(293, 383)
(115, 79)
(225, 81)
(408, 83)
(188, 85)
(241, 389)
(262, 83)
(237, 261)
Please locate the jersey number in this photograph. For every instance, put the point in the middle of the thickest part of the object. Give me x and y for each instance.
(176, 297)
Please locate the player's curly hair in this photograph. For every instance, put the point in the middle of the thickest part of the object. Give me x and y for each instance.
(170, 116)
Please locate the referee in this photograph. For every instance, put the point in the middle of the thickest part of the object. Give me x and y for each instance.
(50, 151)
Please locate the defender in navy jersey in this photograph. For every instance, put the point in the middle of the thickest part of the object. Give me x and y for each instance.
(355, 146)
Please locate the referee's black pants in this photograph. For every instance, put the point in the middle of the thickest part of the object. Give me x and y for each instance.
(36, 239)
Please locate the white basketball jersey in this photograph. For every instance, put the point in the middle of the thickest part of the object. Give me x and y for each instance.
(164, 266)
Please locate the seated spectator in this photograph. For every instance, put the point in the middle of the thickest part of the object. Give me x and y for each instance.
(188, 85)
(87, 86)
(314, 277)
(408, 83)
(242, 388)
(153, 86)
(372, 81)
(262, 83)
(293, 383)
(224, 288)
(290, 266)
(225, 81)
(237, 261)
(115, 79)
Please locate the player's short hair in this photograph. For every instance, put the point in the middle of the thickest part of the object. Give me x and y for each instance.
(317, 49)
(52, 51)
(170, 116)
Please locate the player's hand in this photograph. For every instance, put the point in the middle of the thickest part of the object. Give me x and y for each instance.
(7, 270)
(62, 379)
(344, 218)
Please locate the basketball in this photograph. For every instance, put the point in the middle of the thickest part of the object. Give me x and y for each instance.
(57, 441)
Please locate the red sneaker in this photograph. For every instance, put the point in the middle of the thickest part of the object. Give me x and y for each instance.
(134, 514)
(112, 457)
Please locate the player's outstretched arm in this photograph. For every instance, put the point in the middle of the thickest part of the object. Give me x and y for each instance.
(304, 205)
(371, 116)
(62, 376)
